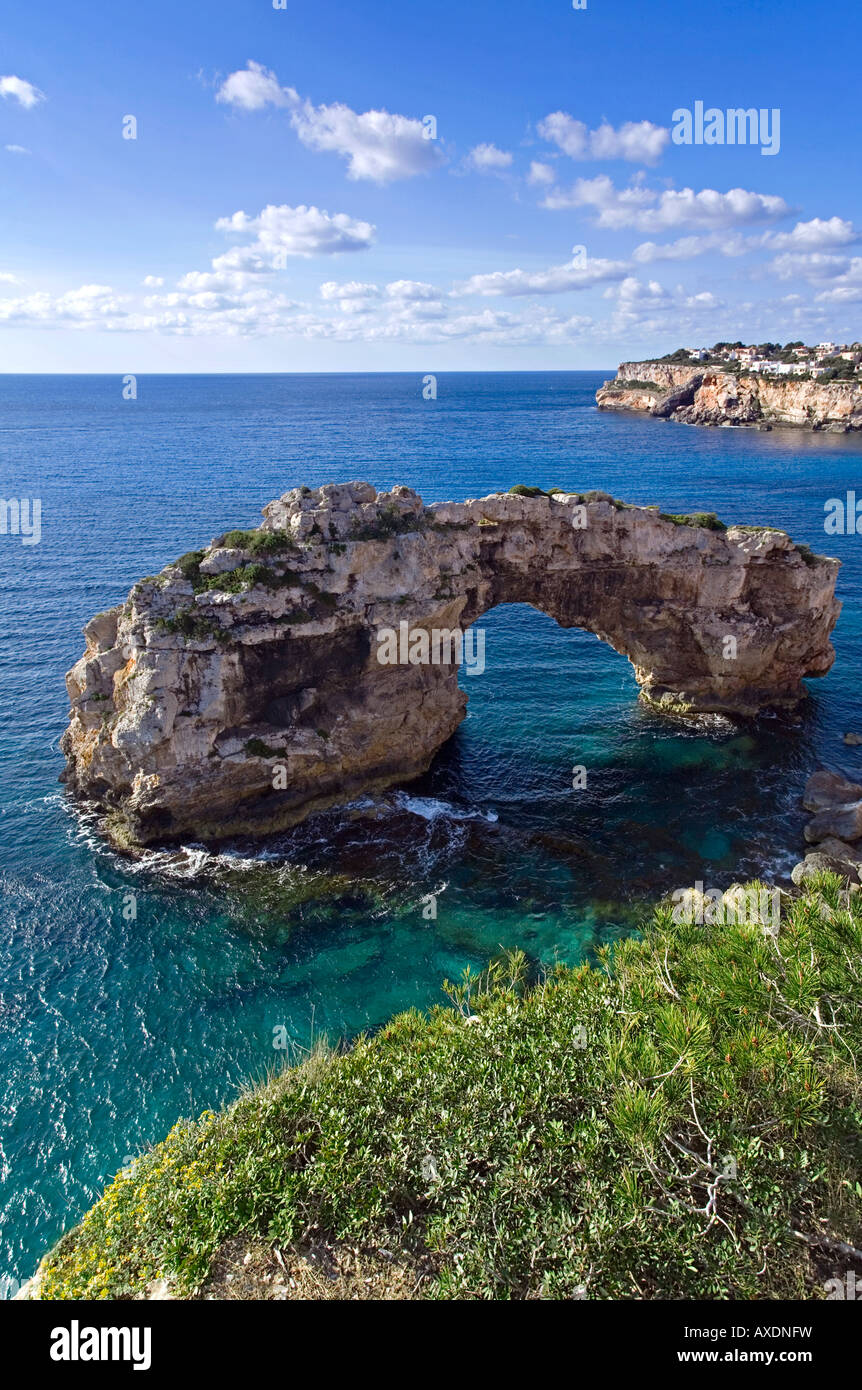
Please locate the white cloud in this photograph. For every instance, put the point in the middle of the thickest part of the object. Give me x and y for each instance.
(652, 211)
(377, 145)
(253, 87)
(847, 288)
(805, 236)
(281, 231)
(813, 235)
(411, 290)
(353, 289)
(704, 300)
(641, 142)
(809, 265)
(541, 173)
(633, 291)
(353, 297)
(577, 274)
(21, 91)
(488, 159)
(153, 281)
(8, 279)
(87, 306)
(687, 247)
(16, 149)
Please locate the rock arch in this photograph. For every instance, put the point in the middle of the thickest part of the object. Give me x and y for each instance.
(242, 688)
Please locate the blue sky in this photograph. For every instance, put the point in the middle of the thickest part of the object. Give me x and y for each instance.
(283, 209)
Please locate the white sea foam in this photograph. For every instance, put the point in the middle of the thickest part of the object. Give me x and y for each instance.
(431, 808)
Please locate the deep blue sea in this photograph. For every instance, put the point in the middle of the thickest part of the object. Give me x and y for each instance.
(113, 1028)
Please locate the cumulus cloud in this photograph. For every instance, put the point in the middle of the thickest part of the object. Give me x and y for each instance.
(687, 247)
(254, 87)
(809, 265)
(641, 142)
(649, 210)
(846, 274)
(488, 159)
(16, 149)
(353, 297)
(377, 145)
(353, 289)
(634, 291)
(411, 290)
(577, 274)
(541, 173)
(17, 89)
(805, 236)
(813, 235)
(280, 231)
(87, 306)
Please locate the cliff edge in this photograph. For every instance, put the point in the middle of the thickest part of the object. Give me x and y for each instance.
(706, 396)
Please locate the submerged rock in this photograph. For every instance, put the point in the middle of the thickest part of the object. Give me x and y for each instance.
(242, 688)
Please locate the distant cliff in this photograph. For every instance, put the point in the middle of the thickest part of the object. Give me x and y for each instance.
(708, 396)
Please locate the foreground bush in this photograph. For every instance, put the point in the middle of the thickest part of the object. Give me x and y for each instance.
(578, 1137)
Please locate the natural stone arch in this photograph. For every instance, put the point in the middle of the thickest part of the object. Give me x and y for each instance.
(242, 688)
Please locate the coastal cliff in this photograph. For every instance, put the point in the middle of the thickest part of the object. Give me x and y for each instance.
(243, 688)
(696, 395)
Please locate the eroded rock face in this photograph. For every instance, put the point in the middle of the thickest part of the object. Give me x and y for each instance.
(706, 396)
(241, 688)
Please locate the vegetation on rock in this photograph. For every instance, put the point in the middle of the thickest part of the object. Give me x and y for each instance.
(708, 520)
(680, 1119)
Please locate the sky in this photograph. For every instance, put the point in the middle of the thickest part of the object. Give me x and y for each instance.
(398, 185)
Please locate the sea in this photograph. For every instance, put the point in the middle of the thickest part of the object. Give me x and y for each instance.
(136, 992)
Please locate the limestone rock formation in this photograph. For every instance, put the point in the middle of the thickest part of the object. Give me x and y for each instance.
(241, 688)
(820, 862)
(708, 396)
(837, 804)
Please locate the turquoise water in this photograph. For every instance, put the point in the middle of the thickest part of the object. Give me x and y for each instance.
(114, 1026)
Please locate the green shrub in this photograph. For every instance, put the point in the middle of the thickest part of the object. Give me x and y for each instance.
(192, 626)
(189, 564)
(708, 520)
(665, 1123)
(258, 749)
(245, 577)
(389, 523)
(257, 542)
